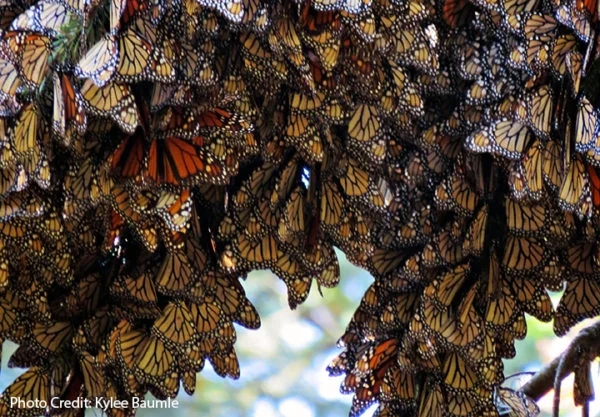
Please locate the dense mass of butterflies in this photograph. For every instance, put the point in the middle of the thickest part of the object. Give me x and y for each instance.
(152, 152)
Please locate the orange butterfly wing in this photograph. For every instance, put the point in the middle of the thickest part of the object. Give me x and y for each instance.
(173, 159)
(128, 158)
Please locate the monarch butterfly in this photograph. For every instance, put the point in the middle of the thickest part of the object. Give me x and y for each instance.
(123, 203)
(470, 65)
(364, 124)
(9, 78)
(262, 253)
(525, 219)
(399, 310)
(458, 374)
(399, 386)
(140, 289)
(225, 363)
(318, 71)
(457, 12)
(172, 160)
(100, 62)
(377, 355)
(432, 402)
(526, 177)
(287, 180)
(469, 323)
(517, 7)
(207, 316)
(501, 308)
(385, 261)
(31, 385)
(175, 208)
(93, 378)
(576, 19)
(128, 158)
(585, 126)
(595, 185)
(85, 185)
(523, 254)
(231, 297)
(233, 10)
(574, 62)
(224, 119)
(450, 284)
(175, 323)
(167, 161)
(355, 181)
(288, 266)
(134, 55)
(181, 122)
(299, 127)
(175, 275)
(456, 193)
(298, 289)
(30, 53)
(129, 346)
(292, 223)
(515, 402)
(68, 108)
(122, 12)
(540, 110)
(365, 391)
(9, 316)
(51, 338)
(474, 242)
(153, 359)
(139, 59)
(8, 104)
(195, 67)
(21, 206)
(579, 301)
(460, 404)
(506, 344)
(97, 327)
(287, 41)
(306, 103)
(28, 132)
(507, 138)
(563, 45)
(113, 100)
(533, 299)
(552, 167)
(45, 17)
(540, 26)
(575, 189)
(526, 59)
(437, 321)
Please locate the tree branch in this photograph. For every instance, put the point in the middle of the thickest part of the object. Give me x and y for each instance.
(542, 382)
(548, 378)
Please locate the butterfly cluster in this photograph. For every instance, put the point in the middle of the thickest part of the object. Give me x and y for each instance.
(500, 206)
(153, 152)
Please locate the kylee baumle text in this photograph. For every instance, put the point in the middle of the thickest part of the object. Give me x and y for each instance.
(100, 403)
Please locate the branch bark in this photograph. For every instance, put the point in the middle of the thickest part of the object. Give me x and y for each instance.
(542, 382)
(551, 375)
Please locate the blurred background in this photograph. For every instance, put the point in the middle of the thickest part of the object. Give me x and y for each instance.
(283, 363)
